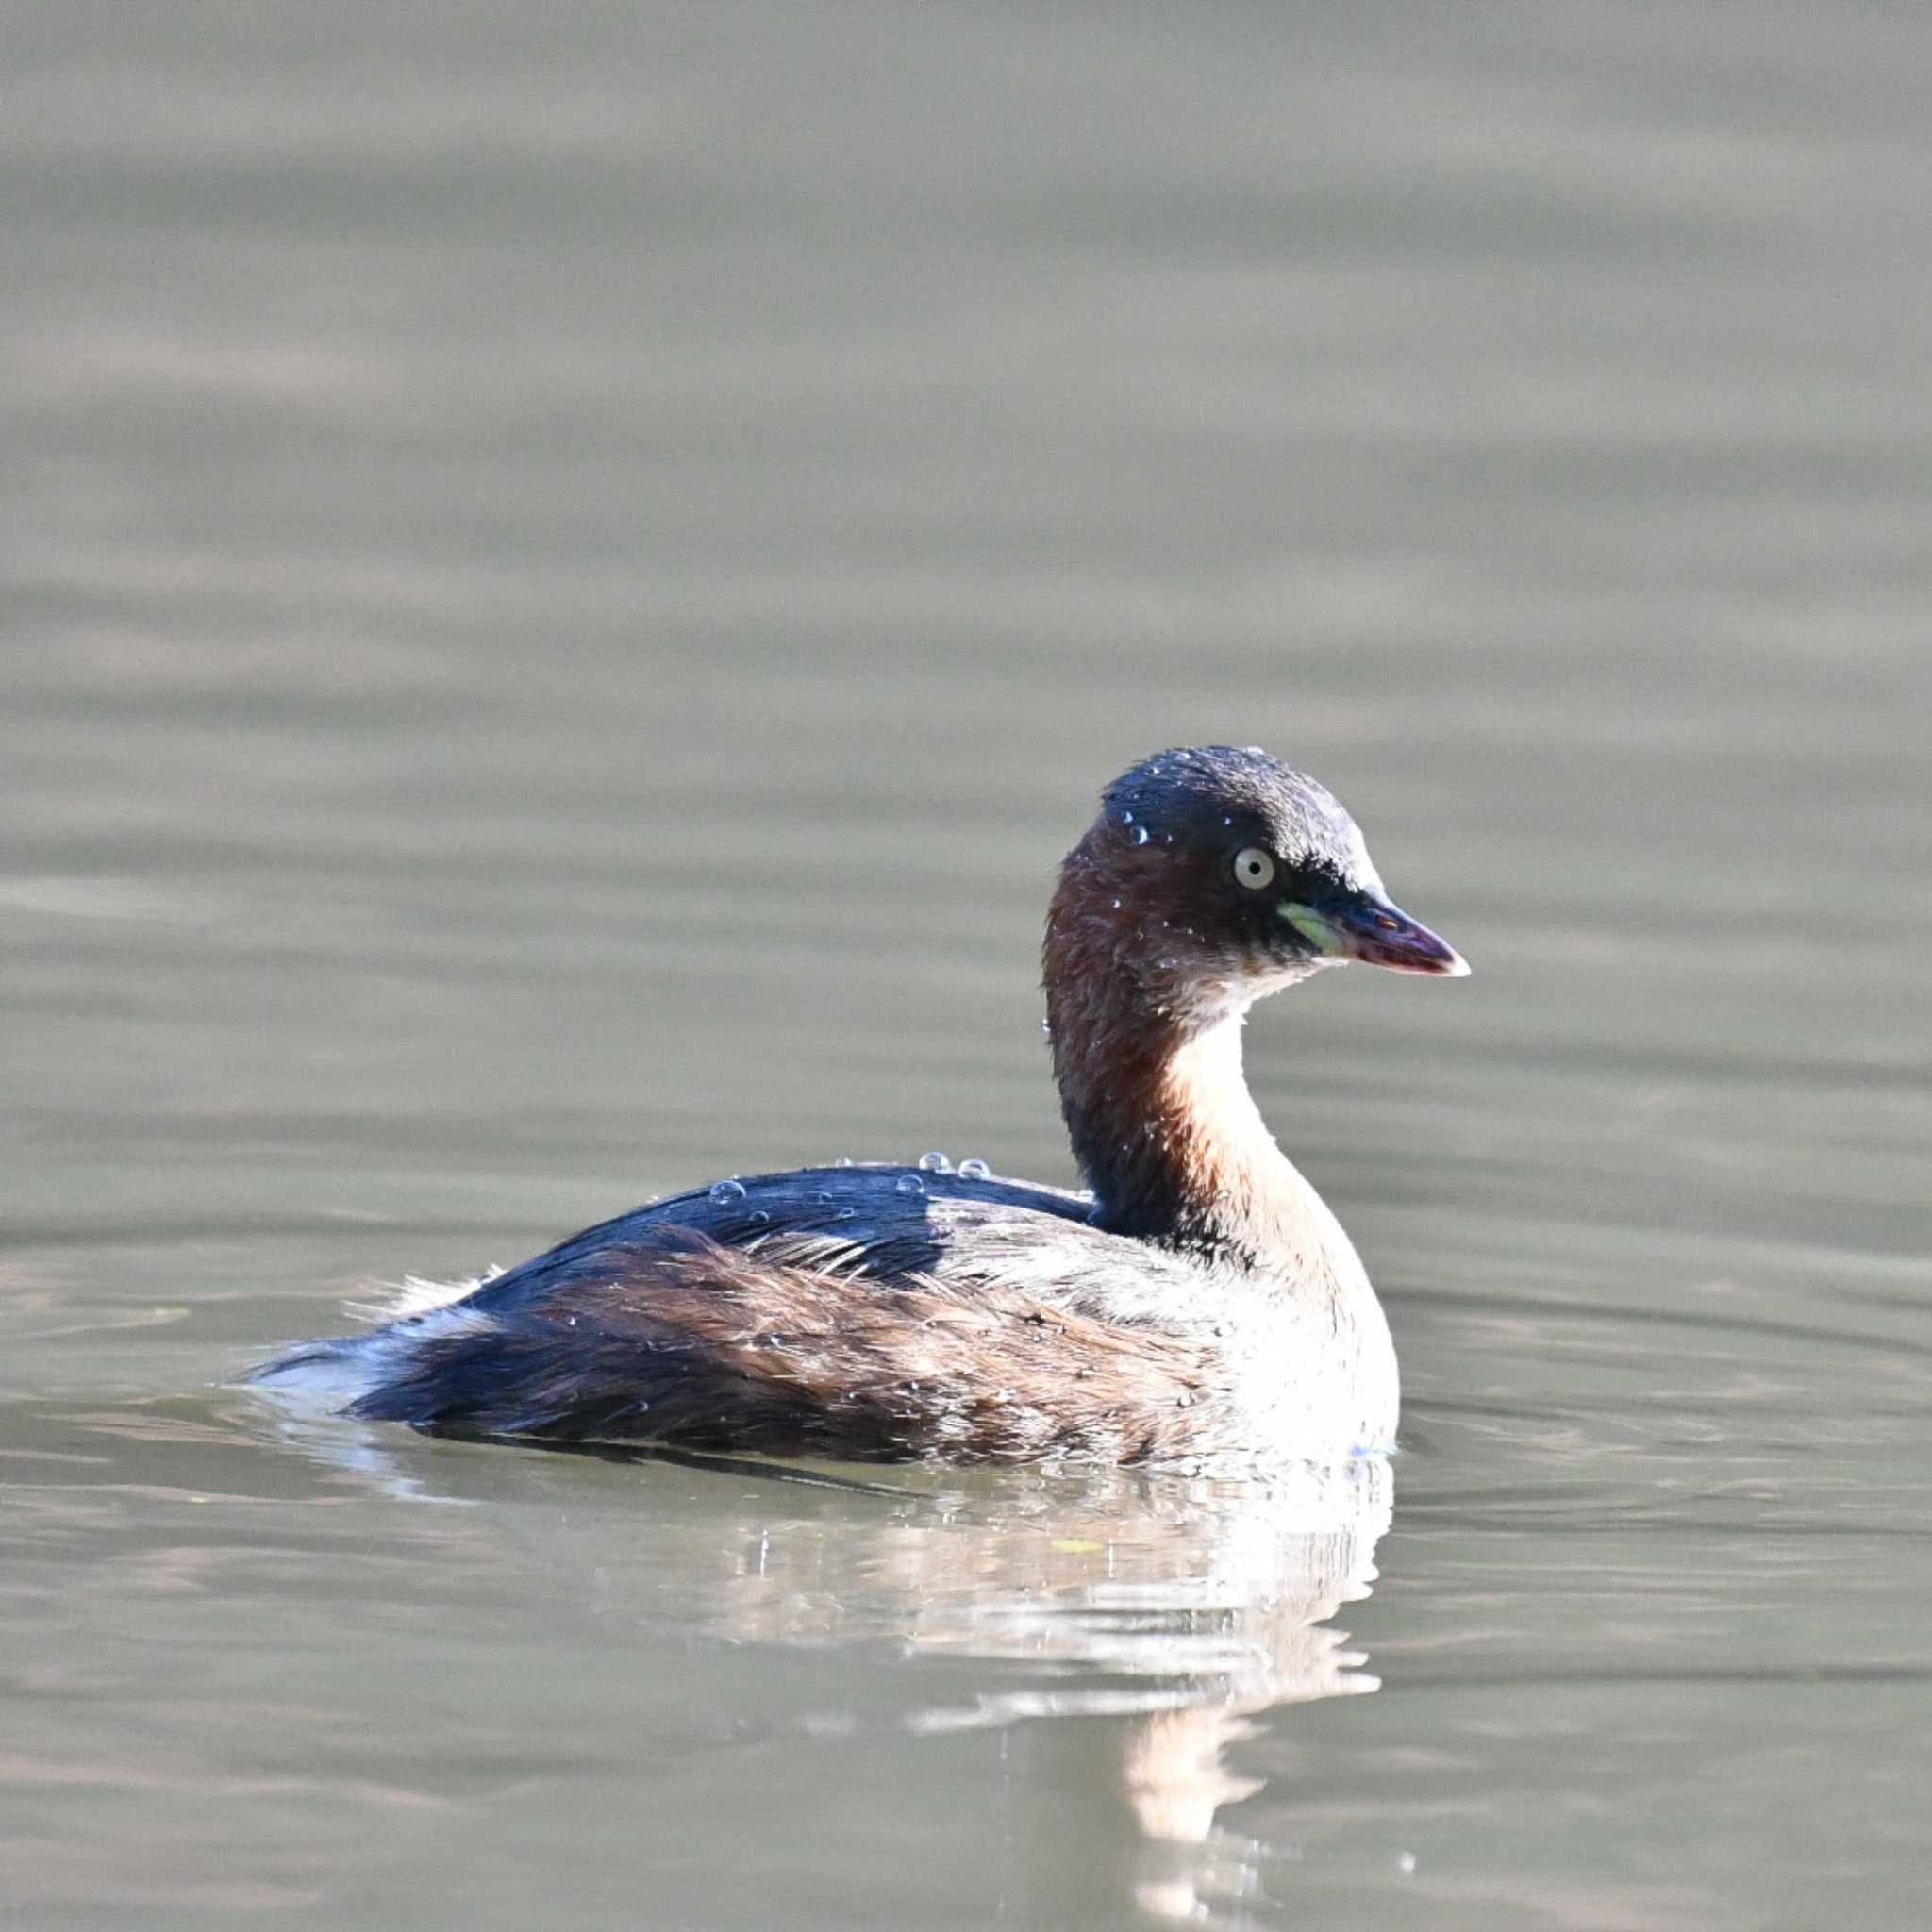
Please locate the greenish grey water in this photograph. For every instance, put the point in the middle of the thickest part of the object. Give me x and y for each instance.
(567, 577)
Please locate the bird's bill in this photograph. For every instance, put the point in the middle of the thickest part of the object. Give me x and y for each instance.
(1366, 927)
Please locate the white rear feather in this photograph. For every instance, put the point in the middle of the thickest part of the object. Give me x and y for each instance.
(326, 1377)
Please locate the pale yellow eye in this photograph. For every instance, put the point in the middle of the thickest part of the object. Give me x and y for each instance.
(1254, 868)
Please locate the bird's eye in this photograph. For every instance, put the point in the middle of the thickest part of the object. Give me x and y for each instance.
(1253, 868)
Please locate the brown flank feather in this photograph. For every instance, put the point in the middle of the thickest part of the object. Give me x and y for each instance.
(677, 1338)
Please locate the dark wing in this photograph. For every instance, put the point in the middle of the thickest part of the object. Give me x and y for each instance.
(832, 1312)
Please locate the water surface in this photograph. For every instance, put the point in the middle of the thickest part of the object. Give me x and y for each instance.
(568, 579)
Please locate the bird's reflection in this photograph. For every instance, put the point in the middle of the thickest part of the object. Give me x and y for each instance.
(1194, 1604)
(1181, 1606)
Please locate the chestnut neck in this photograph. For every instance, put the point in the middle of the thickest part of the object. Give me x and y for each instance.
(1148, 1060)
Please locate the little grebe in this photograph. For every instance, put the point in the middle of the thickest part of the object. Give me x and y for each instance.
(1199, 1301)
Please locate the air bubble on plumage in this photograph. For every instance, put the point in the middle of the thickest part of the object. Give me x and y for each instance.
(910, 1184)
(934, 1163)
(1141, 835)
(726, 1193)
(974, 1170)
(845, 1160)
(846, 1214)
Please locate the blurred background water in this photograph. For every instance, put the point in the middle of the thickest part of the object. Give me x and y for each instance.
(568, 575)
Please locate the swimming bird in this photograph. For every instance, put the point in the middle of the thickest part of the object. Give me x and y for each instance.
(1195, 1300)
